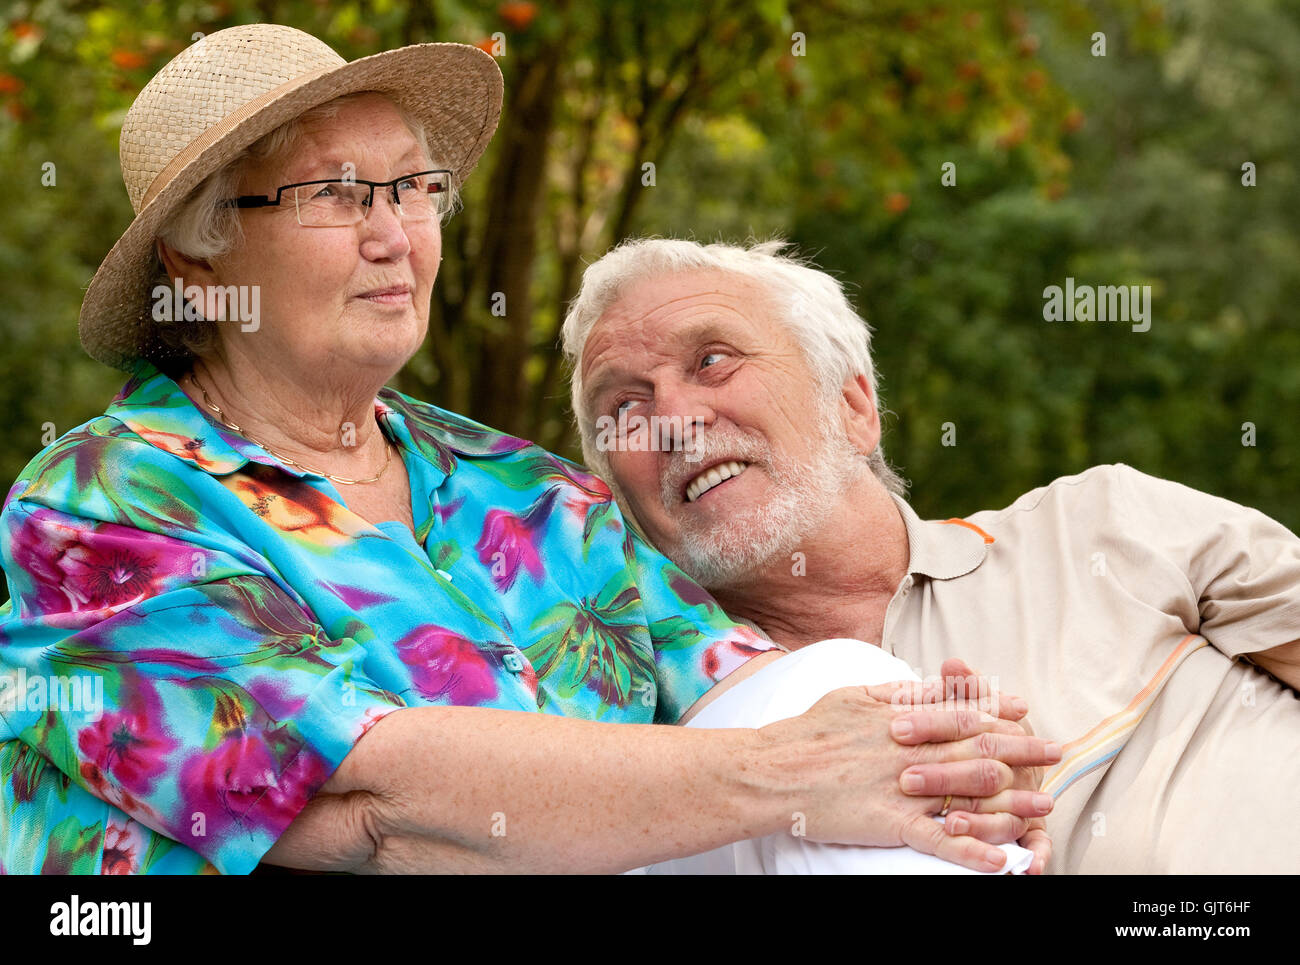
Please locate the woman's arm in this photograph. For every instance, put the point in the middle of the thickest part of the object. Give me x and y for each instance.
(432, 789)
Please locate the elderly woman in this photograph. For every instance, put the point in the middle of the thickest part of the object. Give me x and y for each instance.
(266, 609)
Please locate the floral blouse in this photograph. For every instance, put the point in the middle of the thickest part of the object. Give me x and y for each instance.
(198, 634)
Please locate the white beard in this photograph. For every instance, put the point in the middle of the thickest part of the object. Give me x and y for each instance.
(731, 549)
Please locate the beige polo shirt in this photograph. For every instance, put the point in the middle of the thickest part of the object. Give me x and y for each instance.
(1116, 604)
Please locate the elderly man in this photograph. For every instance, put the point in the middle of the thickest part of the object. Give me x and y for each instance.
(1154, 629)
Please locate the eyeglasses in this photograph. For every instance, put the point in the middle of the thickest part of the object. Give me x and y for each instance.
(335, 204)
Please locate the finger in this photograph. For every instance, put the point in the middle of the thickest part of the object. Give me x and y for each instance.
(1000, 828)
(958, 677)
(965, 683)
(956, 685)
(1008, 706)
(1029, 778)
(1037, 840)
(1013, 727)
(957, 667)
(1012, 749)
(926, 835)
(1022, 803)
(906, 692)
(974, 778)
(930, 726)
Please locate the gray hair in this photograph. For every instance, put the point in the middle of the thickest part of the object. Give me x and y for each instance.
(835, 340)
(202, 230)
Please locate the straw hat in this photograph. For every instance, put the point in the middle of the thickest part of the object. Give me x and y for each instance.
(221, 94)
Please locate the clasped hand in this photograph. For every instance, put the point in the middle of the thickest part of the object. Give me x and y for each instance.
(913, 744)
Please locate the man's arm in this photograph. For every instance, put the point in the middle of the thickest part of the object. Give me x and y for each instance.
(1242, 568)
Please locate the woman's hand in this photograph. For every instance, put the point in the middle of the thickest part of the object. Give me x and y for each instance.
(956, 682)
(843, 765)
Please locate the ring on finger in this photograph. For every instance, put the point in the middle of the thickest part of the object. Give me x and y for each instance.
(947, 803)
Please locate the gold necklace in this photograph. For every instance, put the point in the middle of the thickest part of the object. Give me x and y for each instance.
(221, 417)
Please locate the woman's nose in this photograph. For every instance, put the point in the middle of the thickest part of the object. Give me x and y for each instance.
(385, 229)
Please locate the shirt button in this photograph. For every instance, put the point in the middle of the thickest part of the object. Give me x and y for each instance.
(514, 663)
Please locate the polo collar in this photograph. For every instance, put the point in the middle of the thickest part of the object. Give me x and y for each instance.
(156, 409)
(942, 550)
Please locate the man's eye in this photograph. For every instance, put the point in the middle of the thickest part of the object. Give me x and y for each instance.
(622, 406)
(704, 362)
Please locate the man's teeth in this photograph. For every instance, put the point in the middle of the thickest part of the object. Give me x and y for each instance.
(705, 481)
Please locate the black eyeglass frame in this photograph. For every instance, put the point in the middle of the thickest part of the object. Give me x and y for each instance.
(266, 201)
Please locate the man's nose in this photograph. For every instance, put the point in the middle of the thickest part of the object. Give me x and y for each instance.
(683, 410)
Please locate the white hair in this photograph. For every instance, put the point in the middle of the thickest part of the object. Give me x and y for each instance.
(835, 340)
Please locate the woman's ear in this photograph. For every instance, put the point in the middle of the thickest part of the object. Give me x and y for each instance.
(191, 271)
(197, 281)
(861, 420)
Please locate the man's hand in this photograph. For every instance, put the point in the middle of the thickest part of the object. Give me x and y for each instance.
(1037, 840)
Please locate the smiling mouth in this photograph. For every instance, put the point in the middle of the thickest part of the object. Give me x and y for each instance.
(713, 476)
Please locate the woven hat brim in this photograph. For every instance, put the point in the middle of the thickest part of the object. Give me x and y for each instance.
(453, 89)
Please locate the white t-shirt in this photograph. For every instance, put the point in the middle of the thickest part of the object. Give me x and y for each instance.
(786, 688)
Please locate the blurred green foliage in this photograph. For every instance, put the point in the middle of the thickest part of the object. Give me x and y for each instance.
(826, 122)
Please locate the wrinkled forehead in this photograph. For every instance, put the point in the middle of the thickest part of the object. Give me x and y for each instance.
(662, 318)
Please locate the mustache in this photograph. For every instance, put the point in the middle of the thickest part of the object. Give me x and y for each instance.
(717, 444)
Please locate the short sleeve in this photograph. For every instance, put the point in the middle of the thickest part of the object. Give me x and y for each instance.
(158, 675)
(1243, 566)
(695, 643)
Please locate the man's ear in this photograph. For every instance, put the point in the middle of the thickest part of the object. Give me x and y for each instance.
(861, 421)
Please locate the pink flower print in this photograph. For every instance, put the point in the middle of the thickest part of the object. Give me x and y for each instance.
(508, 542)
(122, 757)
(96, 567)
(505, 545)
(447, 667)
(244, 782)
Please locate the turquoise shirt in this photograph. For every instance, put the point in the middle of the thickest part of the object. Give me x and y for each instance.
(198, 633)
